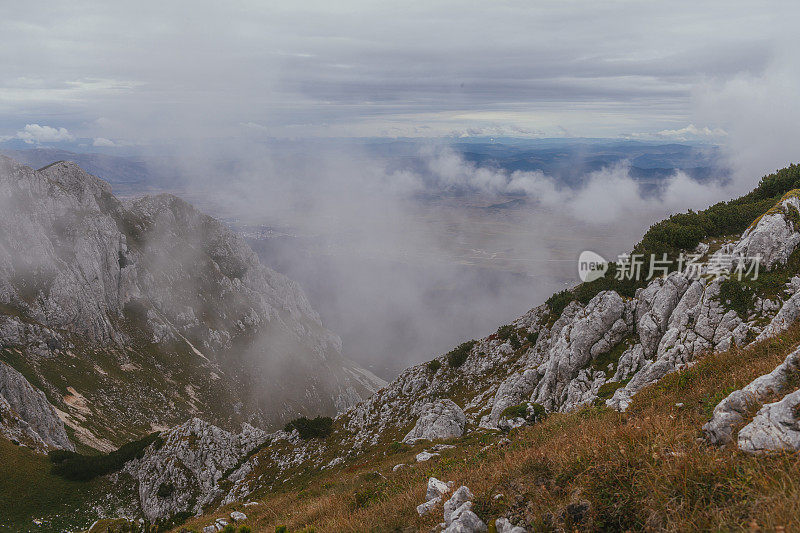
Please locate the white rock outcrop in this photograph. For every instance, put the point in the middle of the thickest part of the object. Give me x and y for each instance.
(735, 408)
(440, 420)
(191, 461)
(774, 237)
(774, 428)
(26, 416)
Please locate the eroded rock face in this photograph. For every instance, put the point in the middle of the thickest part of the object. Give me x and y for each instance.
(774, 237)
(593, 330)
(183, 473)
(26, 416)
(698, 323)
(442, 419)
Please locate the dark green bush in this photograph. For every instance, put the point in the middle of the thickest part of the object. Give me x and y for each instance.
(521, 411)
(458, 356)
(165, 490)
(539, 412)
(737, 296)
(515, 411)
(245, 529)
(311, 428)
(281, 529)
(559, 301)
(434, 365)
(532, 337)
(506, 332)
(607, 389)
(397, 447)
(78, 467)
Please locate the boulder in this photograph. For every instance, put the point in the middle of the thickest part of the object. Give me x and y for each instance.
(774, 428)
(442, 419)
(425, 456)
(437, 488)
(465, 521)
(734, 409)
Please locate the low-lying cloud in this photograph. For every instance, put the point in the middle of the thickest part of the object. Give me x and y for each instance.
(36, 134)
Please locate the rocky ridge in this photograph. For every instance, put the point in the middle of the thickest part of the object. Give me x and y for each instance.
(132, 317)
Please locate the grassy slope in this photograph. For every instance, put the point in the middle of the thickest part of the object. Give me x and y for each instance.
(29, 491)
(643, 469)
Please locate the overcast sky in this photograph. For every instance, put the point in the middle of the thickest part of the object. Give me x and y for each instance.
(142, 72)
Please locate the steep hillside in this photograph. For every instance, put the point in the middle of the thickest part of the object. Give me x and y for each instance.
(619, 404)
(593, 469)
(578, 352)
(134, 317)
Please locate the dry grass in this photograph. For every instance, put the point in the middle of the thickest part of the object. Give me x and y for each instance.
(647, 469)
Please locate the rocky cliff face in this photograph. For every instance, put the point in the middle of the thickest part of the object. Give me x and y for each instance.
(135, 316)
(26, 416)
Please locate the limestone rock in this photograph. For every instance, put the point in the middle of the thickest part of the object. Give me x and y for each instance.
(774, 237)
(442, 419)
(461, 496)
(732, 411)
(436, 488)
(776, 427)
(192, 460)
(465, 521)
(26, 416)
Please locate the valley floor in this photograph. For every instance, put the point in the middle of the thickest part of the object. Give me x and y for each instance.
(593, 470)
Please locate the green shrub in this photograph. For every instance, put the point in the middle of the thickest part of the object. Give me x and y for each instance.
(434, 365)
(521, 411)
(311, 428)
(532, 337)
(397, 447)
(78, 467)
(505, 332)
(458, 356)
(539, 412)
(608, 388)
(245, 529)
(515, 411)
(230, 528)
(165, 490)
(737, 296)
(558, 301)
(281, 529)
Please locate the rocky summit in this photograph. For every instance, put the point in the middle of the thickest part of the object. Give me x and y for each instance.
(121, 318)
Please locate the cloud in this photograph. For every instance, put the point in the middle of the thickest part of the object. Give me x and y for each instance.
(102, 141)
(625, 67)
(760, 112)
(688, 133)
(35, 134)
(606, 196)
